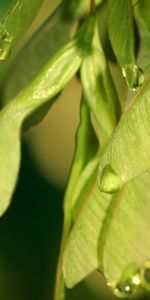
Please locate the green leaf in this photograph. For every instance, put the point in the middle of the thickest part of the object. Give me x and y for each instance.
(99, 90)
(85, 138)
(124, 244)
(90, 205)
(143, 9)
(48, 82)
(118, 225)
(86, 148)
(120, 27)
(142, 14)
(77, 9)
(84, 185)
(42, 45)
(16, 21)
(127, 153)
(81, 253)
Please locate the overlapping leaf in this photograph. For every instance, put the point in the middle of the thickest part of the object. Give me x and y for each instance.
(42, 45)
(124, 241)
(99, 89)
(90, 205)
(16, 21)
(107, 237)
(130, 143)
(77, 9)
(121, 33)
(81, 254)
(86, 148)
(105, 234)
(48, 82)
(142, 14)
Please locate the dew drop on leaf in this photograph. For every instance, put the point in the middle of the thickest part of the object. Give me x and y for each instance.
(134, 76)
(109, 181)
(127, 287)
(123, 291)
(145, 275)
(5, 46)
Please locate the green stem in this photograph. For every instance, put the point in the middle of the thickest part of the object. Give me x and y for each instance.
(59, 292)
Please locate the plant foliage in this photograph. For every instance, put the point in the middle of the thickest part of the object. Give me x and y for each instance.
(107, 199)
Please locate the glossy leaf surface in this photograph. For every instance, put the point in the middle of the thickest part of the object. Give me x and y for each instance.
(124, 241)
(121, 33)
(42, 45)
(142, 14)
(81, 254)
(127, 154)
(49, 81)
(16, 21)
(86, 148)
(99, 89)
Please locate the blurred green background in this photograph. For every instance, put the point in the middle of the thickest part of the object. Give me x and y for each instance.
(30, 230)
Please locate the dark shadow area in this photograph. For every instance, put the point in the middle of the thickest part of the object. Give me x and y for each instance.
(29, 237)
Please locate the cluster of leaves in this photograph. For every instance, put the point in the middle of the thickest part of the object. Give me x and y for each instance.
(106, 205)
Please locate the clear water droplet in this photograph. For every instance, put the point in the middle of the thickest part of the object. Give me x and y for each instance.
(109, 181)
(134, 76)
(5, 46)
(145, 275)
(128, 287)
(123, 291)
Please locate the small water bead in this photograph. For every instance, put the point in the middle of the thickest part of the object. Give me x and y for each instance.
(123, 291)
(5, 46)
(127, 287)
(145, 275)
(109, 181)
(134, 76)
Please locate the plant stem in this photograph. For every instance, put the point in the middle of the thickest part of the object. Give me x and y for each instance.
(59, 292)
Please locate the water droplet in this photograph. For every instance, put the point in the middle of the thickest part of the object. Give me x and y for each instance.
(145, 275)
(109, 182)
(5, 46)
(123, 291)
(134, 76)
(126, 288)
